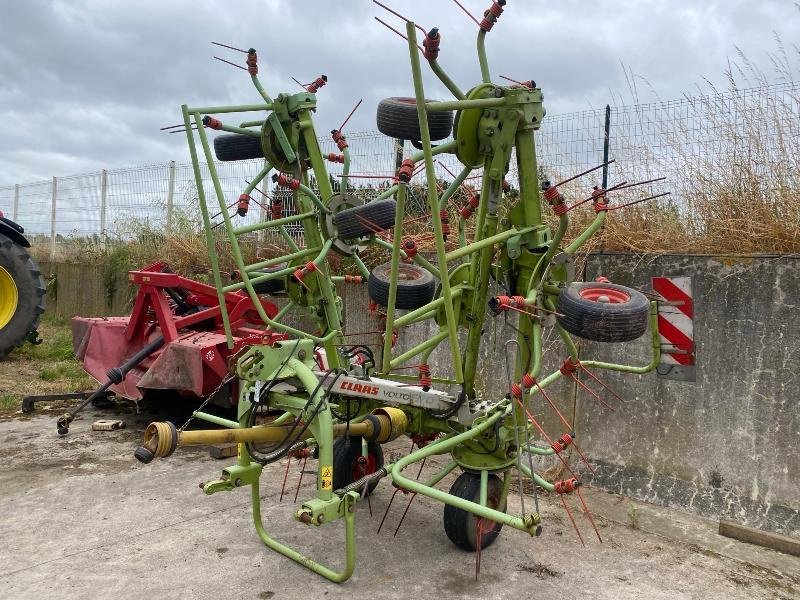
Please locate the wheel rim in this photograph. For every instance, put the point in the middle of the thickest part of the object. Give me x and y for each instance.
(407, 273)
(9, 297)
(605, 295)
(360, 471)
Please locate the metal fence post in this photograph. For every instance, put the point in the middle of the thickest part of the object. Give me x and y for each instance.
(264, 215)
(170, 193)
(16, 203)
(103, 201)
(606, 131)
(53, 221)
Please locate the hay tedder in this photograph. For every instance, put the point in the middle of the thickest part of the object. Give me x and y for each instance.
(310, 394)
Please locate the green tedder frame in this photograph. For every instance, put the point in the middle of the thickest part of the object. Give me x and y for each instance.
(511, 244)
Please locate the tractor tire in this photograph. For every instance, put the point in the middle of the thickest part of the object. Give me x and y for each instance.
(462, 526)
(237, 146)
(415, 286)
(22, 295)
(361, 221)
(397, 118)
(603, 312)
(346, 469)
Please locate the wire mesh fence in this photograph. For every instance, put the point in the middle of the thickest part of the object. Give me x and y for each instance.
(755, 130)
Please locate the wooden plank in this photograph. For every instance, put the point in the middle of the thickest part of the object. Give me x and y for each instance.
(223, 451)
(775, 541)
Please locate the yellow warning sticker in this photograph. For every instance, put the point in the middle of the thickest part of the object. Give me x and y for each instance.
(326, 476)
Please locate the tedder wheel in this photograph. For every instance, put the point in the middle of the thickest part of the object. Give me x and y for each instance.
(271, 286)
(237, 146)
(366, 219)
(415, 285)
(350, 466)
(462, 526)
(603, 312)
(397, 118)
(22, 293)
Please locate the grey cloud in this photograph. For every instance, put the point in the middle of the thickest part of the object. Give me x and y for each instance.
(85, 84)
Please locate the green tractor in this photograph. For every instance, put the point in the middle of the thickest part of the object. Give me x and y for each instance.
(22, 289)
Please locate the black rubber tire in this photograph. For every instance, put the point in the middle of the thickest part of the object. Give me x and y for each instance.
(237, 146)
(462, 526)
(590, 319)
(397, 118)
(271, 286)
(30, 295)
(349, 226)
(415, 286)
(346, 451)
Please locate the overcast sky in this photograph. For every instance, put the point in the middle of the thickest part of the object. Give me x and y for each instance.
(86, 84)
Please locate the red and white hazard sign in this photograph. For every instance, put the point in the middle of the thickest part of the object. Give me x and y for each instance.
(675, 320)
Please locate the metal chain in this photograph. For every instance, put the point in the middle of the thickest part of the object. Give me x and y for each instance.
(225, 381)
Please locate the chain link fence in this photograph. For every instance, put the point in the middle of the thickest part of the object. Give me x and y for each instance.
(757, 126)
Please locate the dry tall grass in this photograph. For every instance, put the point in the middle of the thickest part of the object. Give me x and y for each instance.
(731, 157)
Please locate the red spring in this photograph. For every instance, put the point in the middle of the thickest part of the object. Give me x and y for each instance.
(212, 123)
(552, 195)
(599, 200)
(530, 84)
(372, 306)
(566, 486)
(339, 140)
(491, 15)
(602, 279)
(431, 44)
(409, 246)
(527, 379)
(335, 158)
(469, 207)
(276, 208)
(569, 367)
(405, 171)
(560, 208)
(395, 336)
(561, 443)
(243, 205)
(424, 376)
(516, 390)
(423, 439)
(353, 279)
(252, 62)
(301, 274)
(301, 453)
(317, 83)
(445, 218)
(598, 194)
(286, 181)
(499, 304)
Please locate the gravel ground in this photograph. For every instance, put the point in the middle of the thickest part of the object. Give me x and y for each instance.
(82, 519)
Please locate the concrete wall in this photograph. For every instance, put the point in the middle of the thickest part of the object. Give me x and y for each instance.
(729, 444)
(725, 446)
